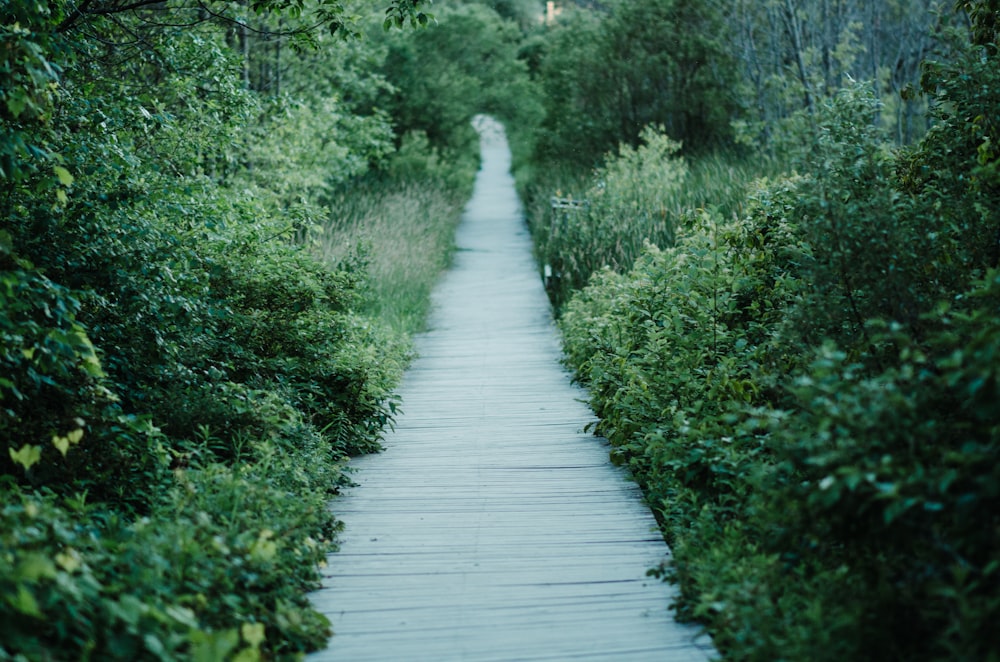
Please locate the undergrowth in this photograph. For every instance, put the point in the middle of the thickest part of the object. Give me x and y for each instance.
(584, 222)
(400, 232)
(182, 379)
(805, 385)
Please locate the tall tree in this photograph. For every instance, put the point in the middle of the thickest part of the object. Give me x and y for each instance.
(467, 64)
(663, 62)
(797, 53)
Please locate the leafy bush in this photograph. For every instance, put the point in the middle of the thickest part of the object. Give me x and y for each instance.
(632, 201)
(668, 353)
(219, 567)
(640, 195)
(807, 393)
(61, 419)
(182, 379)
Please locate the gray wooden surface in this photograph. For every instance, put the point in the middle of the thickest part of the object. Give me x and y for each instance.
(492, 527)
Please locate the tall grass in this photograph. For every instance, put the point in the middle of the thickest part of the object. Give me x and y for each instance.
(641, 195)
(403, 235)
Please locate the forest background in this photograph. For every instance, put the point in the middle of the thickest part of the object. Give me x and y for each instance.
(770, 231)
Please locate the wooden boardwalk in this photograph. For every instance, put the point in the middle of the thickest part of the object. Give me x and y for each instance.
(492, 527)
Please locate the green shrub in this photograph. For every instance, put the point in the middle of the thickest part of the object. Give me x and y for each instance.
(639, 195)
(180, 378)
(633, 199)
(807, 394)
(668, 352)
(219, 567)
(61, 419)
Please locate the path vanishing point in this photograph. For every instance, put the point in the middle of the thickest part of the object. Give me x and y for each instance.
(492, 527)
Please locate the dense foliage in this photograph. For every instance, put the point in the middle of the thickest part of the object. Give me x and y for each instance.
(738, 85)
(220, 224)
(639, 195)
(181, 377)
(780, 284)
(607, 77)
(443, 77)
(807, 389)
(714, 73)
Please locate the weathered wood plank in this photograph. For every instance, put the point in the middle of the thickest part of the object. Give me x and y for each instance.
(493, 527)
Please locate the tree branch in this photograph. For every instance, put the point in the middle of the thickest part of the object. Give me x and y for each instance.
(77, 12)
(267, 33)
(84, 10)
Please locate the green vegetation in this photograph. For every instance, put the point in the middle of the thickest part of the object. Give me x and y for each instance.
(774, 253)
(402, 239)
(444, 77)
(221, 223)
(608, 77)
(181, 376)
(639, 196)
(801, 371)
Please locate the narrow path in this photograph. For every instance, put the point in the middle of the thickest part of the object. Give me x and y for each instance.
(492, 527)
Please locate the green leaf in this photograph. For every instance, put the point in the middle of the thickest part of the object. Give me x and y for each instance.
(34, 567)
(27, 457)
(183, 615)
(253, 634)
(247, 655)
(17, 102)
(92, 366)
(61, 444)
(25, 603)
(264, 549)
(64, 175)
(213, 646)
(69, 560)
